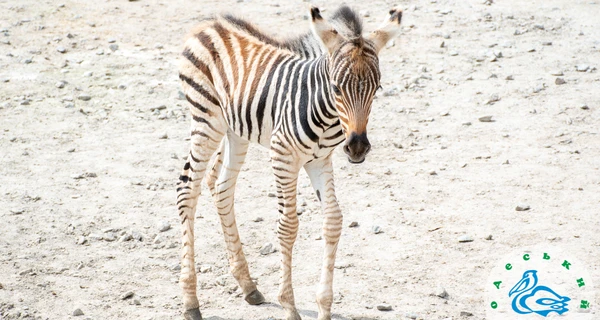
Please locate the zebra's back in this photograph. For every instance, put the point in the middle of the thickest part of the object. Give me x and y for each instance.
(231, 67)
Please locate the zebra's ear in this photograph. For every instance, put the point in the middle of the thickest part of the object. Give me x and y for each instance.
(328, 35)
(388, 30)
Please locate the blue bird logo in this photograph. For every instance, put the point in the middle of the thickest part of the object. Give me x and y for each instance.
(531, 298)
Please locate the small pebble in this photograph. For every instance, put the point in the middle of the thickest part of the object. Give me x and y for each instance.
(114, 47)
(441, 292)
(582, 67)
(486, 119)
(164, 226)
(271, 195)
(25, 272)
(585, 107)
(466, 314)
(522, 207)
(88, 74)
(377, 230)
(84, 97)
(384, 307)
(489, 237)
(110, 237)
(126, 295)
(60, 84)
(137, 236)
(465, 238)
(538, 89)
(353, 224)
(493, 99)
(557, 73)
(205, 268)
(510, 77)
(267, 248)
(163, 136)
(258, 219)
(411, 315)
(61, 49)
(559, 81)
(77, 312)
(112, 40)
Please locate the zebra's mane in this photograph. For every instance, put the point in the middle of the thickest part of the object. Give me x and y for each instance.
(347, 22)
(344, 19)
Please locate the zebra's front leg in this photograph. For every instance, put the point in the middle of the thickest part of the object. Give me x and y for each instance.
(286, 178)
(221, 181)
(320, 172)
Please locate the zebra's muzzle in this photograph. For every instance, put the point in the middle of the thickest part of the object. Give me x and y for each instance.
(357, 147)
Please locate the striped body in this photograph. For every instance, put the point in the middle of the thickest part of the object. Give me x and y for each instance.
(261, 88)
(299, 97)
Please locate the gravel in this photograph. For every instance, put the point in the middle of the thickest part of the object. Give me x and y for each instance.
(486, 119)
(84, 97)
(126, 295)
(77, 312)
(465, 238)
(267, 248)
(384, 307)
(164, 226)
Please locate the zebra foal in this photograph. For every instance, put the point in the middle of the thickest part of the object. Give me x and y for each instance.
(300, 97)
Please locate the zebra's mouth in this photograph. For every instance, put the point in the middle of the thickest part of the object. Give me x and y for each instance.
(356, 161)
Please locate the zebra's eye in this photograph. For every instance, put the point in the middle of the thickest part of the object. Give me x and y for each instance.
(336, 90)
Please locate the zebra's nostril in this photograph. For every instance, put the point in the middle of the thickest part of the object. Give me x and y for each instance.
(347, 149)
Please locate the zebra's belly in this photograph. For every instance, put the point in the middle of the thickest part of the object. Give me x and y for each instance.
(261, 136)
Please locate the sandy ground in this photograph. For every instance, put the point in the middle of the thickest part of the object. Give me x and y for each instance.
(79, 178)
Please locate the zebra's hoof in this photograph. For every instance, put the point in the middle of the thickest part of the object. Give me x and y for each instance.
(255, 298)
(293, 316)
(192, 314)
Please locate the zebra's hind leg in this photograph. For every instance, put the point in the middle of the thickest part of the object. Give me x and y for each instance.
(204, 141)
(222, 181)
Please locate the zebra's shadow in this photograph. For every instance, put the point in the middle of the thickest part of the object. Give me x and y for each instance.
(306, 314)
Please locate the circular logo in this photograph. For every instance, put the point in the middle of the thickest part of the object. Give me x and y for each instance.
(539, 282)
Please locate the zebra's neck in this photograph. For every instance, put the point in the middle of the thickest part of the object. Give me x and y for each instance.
(323, 106)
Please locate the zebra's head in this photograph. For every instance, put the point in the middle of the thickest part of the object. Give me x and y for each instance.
(353, 70)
